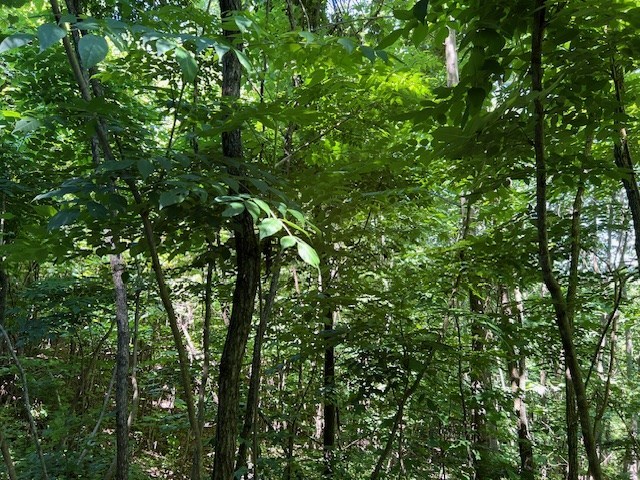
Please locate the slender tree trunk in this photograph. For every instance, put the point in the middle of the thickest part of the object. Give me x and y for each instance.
(122, 369)
(206, 349)
(571, 419)
(253, 396)
(479, 382)
(622, 157)
(397, 420)
(632, 458)
(330, 413)
(247, 278)
(559, 303)
(516, 364)
(6, 455)
(451, 57)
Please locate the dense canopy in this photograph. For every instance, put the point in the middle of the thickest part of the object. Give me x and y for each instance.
(317, 239)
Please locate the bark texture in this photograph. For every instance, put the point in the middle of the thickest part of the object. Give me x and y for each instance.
(122, 369)
(253, 396)
(623, 159)
(247, 278)
(559, 303)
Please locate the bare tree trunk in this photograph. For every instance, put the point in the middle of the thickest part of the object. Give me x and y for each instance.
(451, 57)
(622, 157)
(253, 396)
(122, 369)
(632, 458)
(330, 413)
(206, 333)
(516, 364)
(559, 303)
(397, 420)
(6, 455)
(479, 382)
(247, 278)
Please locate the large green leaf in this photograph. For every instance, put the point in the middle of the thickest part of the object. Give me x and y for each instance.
(92, 49)
(308, 254)
(63, 217)
(172, 197)
(14, 41)
(269, 227)
(49, 34)
(187, 64)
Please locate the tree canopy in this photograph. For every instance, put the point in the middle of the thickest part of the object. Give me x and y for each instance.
(319, 239)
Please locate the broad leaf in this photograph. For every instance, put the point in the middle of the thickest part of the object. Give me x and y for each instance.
(49, 34)
(233, 209)
(63, 217)
(269, 227)
(287, 241)
(14, 41)
(26, 125)
(308, 254)
(187, 64)
(172, 197)
(92, 49)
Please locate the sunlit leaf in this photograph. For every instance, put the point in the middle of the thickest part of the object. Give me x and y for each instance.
(14, 41)
(187, 64)
(92, 49)
(49, 34)
(269, 227)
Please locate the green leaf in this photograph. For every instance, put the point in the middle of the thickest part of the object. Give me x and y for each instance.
(233, 209)
(307, 253)
(14, 41)
(368, 52)
(187, 64)
(244, 61)
(26, 125)
(63, 217)
(163, 46)
(287, 241)
(419, 34)
(269, 227)
(264, 206)
(253, 209)
(391, 38)
(420, 10)
(403, 14)
(172, 197)
(475, 99)
(97, 211)
(145, 167)
(347, 44)
(49, 34)
(92, 49)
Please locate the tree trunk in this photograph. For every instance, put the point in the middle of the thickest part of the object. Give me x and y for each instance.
(248, 276)
(397, 420)
(559, 303)
(571, 419)
(253, 395)
(451, 57)
(6, 455)
(479, 382)
(632, 458)
(122, 369)
(330, 415)
(622, 157)
(516, 364)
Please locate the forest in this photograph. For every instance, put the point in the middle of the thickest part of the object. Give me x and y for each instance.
(319, 239)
